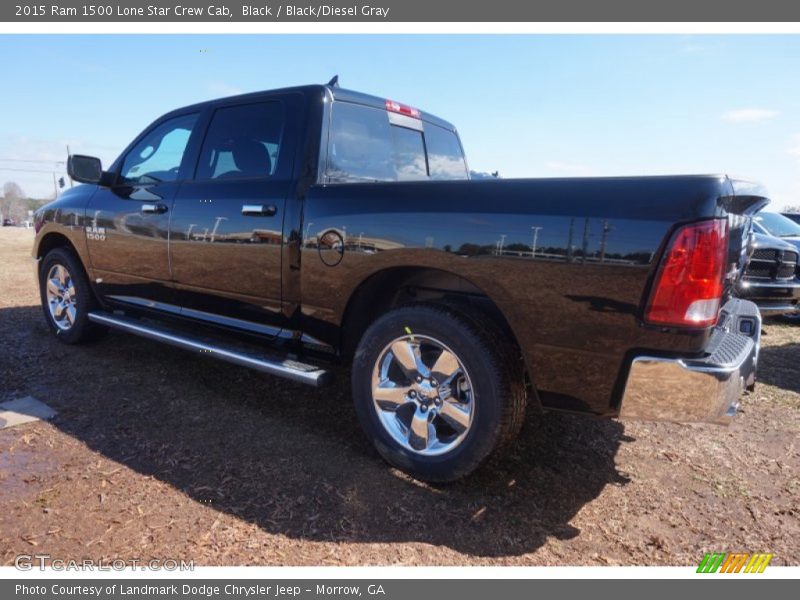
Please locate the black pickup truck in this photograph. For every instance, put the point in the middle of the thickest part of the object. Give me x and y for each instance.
(299, 229)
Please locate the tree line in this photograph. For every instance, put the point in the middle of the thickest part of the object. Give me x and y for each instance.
(15, 204)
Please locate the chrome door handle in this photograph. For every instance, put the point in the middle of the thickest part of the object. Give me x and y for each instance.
(154, 209)
(259, 210)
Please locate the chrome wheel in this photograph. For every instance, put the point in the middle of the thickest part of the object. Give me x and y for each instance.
(422, 395)
(61, 300)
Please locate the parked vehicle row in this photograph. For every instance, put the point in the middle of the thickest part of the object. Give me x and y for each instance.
(295, 229)
(771, 277)
(7, 222)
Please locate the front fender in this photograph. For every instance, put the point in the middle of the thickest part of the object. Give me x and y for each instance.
(63, 220)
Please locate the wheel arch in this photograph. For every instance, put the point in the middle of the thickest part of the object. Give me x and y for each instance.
(400, 285)
(51, 240)
(57, 239)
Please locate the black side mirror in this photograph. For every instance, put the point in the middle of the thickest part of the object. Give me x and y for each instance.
(85, 169)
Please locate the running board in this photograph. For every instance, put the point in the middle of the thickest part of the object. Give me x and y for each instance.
(288, 369)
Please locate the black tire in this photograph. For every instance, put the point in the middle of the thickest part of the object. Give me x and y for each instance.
(80, 329)
(791, 318)
(497, 389)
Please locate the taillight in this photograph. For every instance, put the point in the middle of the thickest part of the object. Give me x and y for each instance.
(402, 109)
(689, 287)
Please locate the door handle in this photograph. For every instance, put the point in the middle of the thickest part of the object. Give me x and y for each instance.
(157, 208)
(259, 210)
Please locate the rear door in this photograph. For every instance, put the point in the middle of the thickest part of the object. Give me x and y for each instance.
(226, 230)
(128, 228)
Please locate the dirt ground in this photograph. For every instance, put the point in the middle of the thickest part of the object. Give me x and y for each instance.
(156, 453)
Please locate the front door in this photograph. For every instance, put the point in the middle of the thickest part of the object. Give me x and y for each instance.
(227, 223)
(128, 223)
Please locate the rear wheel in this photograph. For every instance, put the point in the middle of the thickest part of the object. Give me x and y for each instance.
(434, 391)
(66, 297)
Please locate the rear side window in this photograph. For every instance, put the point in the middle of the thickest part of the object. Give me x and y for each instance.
(365, 146)
(242, 142)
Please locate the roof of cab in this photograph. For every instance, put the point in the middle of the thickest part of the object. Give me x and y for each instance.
(303, 89)
(344, 95)
(337, 93)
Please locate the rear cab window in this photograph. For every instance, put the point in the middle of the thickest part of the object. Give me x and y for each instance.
(367, 144)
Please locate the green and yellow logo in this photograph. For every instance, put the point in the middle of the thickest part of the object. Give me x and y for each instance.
(734, 562)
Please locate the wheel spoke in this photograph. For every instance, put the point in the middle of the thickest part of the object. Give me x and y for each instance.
(407, 356)
(419, 432)
(53, 287)
(389, 396)
(445, 367)
(417, 386)
(455, 416)
(60, 292)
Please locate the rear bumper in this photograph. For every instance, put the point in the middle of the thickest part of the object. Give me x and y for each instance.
(704, 389)
(772, 297)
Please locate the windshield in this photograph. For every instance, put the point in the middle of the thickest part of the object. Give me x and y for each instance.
(777, 225)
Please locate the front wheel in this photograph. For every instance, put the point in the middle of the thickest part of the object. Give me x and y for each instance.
(66, 297)
(435, 392)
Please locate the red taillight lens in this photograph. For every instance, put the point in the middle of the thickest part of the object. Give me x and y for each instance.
(689, 287)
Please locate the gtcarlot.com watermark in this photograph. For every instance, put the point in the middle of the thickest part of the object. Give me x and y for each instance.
(29, 562)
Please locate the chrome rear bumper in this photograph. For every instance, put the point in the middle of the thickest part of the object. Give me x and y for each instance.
(704, 389)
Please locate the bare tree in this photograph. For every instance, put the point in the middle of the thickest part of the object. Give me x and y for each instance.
(12, 191)
(13, 204)
(792, 209)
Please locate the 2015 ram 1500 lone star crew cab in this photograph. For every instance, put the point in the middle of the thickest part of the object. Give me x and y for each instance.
(297, 229)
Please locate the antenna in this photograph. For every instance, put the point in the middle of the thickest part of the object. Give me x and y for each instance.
(334, 82)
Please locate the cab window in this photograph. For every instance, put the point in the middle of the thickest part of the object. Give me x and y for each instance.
(158, 155)
(243, 142)
(364, 145)
(361, 146)
(445, 156)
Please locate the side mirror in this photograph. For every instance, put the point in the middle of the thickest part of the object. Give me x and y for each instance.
(85, 169)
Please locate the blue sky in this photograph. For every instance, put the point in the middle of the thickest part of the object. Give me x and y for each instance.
(526, 105)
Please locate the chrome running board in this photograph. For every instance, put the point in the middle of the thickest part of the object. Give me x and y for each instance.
(286, 368)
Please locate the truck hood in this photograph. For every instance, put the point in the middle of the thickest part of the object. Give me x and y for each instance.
(761, 240)
(785, 243)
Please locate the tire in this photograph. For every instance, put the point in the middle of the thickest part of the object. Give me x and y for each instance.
(67, 298)
(791, 318)
(437, 431)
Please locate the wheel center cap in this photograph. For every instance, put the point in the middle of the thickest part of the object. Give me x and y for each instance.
(426, 391)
